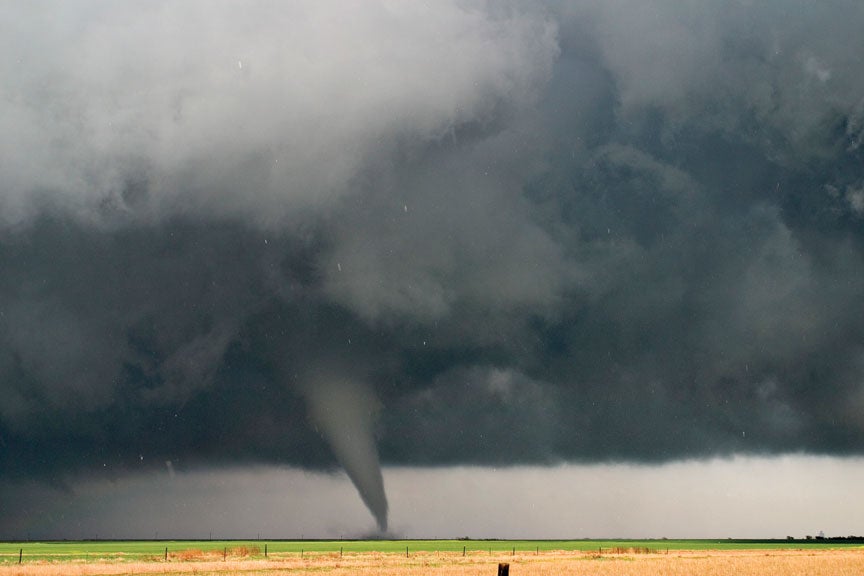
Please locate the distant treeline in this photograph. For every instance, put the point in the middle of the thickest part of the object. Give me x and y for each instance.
(829, 539)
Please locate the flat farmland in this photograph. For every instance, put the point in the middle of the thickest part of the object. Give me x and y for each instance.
(435, 557)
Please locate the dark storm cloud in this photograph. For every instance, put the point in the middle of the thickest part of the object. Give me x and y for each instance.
(516, 234)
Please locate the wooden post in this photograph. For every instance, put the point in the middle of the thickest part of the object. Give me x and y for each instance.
(166, 554)
(340, 551)
(463, 551)
(20, 555)
(406, 551)
(265, 550)
(514, 551)
(224, 553)
(503, 569)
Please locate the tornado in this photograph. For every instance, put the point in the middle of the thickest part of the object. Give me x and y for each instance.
(344, 413)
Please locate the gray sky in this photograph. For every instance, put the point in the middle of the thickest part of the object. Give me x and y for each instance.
(453, 236)
(742, 497)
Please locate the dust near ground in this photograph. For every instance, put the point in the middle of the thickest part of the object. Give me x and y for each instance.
(674, 563)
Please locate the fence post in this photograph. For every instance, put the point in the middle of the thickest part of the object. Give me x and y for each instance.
(406, 552)
(463, 551)
(166, 554)
(20, 555)
(224, 553)
(503, 569)
(340, 551)
(265, 550)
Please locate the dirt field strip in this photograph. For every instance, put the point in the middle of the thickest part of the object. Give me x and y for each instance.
(847, 562)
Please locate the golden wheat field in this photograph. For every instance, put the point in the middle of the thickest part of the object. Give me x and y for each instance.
(675, 563)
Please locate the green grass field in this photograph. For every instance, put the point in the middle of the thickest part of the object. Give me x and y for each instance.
(155, 550)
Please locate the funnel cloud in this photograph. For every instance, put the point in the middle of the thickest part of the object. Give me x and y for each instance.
(328, 236)
(345, 412)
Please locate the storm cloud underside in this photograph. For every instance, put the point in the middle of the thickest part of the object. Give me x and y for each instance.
(483, 233)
